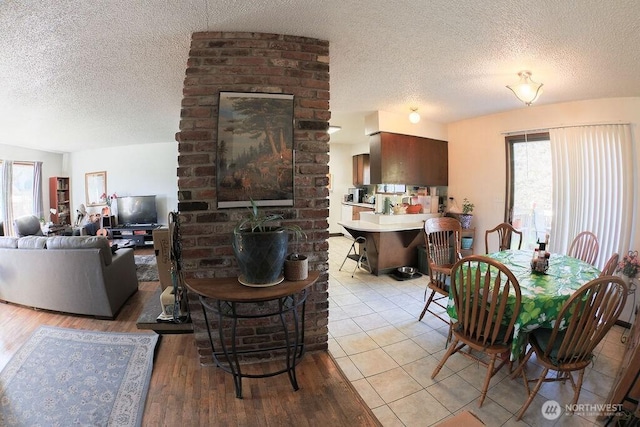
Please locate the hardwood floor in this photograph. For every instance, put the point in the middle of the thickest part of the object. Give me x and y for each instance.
(184, 393)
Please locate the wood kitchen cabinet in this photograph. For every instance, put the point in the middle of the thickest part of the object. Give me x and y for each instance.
(361, 170)
(356, 212)
(406, 159)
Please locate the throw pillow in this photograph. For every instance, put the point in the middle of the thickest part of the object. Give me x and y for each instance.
(82, 242)
(9, 242)
(32, 242)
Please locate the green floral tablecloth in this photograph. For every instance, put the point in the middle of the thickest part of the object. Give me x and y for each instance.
(542, 294)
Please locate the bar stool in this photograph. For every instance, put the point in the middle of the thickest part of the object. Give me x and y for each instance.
(359, 256)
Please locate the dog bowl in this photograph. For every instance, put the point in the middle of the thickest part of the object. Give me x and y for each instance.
(406, 272)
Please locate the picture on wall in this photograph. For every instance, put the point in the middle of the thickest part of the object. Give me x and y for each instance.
(255, 149)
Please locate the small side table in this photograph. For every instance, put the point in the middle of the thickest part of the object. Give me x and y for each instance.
(226, 297)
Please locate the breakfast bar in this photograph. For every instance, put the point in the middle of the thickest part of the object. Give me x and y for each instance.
(392, 240)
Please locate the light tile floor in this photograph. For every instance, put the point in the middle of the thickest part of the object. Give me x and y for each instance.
(375, 336)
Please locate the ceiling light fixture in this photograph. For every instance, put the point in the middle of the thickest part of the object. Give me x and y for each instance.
(526, 90)
(414, 117)
(333, 129)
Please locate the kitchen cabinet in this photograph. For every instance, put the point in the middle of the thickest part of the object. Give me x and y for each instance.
(346, 213)
(361, 174)
(406, 159)
(356, 212)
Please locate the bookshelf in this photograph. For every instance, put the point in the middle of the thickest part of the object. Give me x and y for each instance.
(60, 200)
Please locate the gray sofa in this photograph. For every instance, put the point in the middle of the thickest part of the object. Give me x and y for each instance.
(71, 274)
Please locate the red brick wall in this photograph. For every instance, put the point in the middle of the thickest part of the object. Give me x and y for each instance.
(253, 62)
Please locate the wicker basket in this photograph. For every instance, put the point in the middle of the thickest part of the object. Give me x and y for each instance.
(296, 269)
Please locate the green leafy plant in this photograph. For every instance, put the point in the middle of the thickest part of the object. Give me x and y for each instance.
(467, 206)
(260, 222)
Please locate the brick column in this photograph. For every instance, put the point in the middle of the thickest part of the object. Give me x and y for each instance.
(253, 62)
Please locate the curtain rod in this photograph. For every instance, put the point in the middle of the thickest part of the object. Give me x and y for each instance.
(537, 130)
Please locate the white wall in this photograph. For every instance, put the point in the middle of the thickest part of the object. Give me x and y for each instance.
(477, 151)
(132, 170)
(384, 121)
(340, 168)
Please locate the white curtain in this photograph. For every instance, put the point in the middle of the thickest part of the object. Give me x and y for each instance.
(6, 192)
(593, 187)
(38, 210)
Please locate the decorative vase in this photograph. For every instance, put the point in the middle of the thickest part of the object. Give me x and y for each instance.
(260, 255)
(626, 279)
(467, 242)
(465, 220)
(296, 267)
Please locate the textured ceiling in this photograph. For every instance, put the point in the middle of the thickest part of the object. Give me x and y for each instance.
(85, 74)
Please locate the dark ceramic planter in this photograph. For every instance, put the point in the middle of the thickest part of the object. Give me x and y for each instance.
(260, 255)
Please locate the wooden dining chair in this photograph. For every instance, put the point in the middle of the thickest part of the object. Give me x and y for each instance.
(487, 300)
(610, 267)
(584, 320)
(585, 246)
(442, 237)
(505, 233)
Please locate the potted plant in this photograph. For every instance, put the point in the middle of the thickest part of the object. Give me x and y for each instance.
(260, 247)
(465, 217)
(296, 265)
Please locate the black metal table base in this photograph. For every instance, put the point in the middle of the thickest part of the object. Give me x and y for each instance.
(293, 340)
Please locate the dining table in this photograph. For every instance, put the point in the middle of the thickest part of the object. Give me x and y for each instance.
(542, 294)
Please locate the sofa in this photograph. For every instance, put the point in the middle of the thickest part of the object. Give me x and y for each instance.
(28, 225)
(70, 274)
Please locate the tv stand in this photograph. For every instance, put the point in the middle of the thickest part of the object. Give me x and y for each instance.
(141, 234)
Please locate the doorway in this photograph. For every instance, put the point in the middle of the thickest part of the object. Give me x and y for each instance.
(529, 186)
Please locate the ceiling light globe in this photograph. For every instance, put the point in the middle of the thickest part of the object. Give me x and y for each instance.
(414, 117)
(526, 90)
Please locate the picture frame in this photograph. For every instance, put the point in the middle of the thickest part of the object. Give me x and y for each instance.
(254, 152)
(95, 186)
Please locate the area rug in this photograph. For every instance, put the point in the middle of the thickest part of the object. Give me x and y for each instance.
(146, 268)
(63, 377)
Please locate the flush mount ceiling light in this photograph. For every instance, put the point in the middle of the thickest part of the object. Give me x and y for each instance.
(414, 117)
(526, 90)
(333, 129)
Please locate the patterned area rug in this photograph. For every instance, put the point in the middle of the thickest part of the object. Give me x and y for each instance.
(75, 377)
(146, 268)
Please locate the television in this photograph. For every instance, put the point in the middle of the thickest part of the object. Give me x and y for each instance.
(137, 210)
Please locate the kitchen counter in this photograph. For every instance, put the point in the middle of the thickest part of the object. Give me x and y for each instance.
(392, 245)
(381, 228)
(362, 205)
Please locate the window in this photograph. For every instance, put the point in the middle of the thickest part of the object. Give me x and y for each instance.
(22, 190)
(573, 179)
(529, 189)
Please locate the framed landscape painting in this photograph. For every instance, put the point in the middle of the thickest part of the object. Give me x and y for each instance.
(254, 149)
